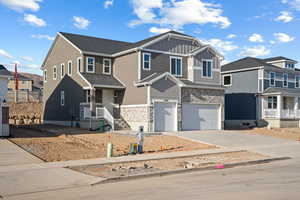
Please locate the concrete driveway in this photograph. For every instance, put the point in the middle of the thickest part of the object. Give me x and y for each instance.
(11, 154)
(253, 142)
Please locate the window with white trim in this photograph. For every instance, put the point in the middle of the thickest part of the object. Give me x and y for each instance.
(297, 81)
(176, 66)
(272, 102)
(45, 75)
(70, 68)
(106, 66)
(290, 65)
(87, 96)
(62, 70)
(227, 80)
(272, 78)
(285, 80)
(62, 98)
(54, 73)
(146, 61)
(207, 66)
(90, 64)
(79, 65)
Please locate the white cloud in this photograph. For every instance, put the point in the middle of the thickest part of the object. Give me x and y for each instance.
(20, 5)
(284, 17)
(255, 51)
(156, 30)
(108, 3)
(282, 37)
(178, 13)
(256, 38)
(27, 58)
(47, 37)
(293, 3)
(81, 22)
(222, 46)
(231, 36)
(5, 54)
(34, 20)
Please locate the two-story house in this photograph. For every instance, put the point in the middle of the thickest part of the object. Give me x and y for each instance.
(4, 112)
(168, 82)
(262, 90)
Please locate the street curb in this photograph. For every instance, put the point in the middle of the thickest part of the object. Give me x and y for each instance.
(181, 171)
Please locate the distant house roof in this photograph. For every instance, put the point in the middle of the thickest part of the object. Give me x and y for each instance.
(107, 46)
(21, 77)
(4, 71)
(102, 80)
(250, 62)
(278, 58)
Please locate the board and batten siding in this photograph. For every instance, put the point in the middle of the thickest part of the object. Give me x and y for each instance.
(164, 89)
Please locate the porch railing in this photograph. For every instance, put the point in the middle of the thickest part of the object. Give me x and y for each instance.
(287, 114)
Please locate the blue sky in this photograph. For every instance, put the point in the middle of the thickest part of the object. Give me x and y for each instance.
(237, 28)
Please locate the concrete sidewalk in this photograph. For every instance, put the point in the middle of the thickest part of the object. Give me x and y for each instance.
(11, 154)
(267, 145)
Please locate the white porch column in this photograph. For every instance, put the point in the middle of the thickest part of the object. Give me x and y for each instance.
(296, 103)
(279, 106)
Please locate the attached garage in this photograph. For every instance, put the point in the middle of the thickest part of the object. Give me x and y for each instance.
(200, 117)
(165, 117)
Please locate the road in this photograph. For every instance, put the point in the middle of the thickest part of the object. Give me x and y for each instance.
(277, 180)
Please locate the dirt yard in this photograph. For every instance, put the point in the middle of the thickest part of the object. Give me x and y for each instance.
(284, 133)
(74, 146)
(141, 167)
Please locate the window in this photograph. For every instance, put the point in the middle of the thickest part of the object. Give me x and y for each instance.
(106, 66)
(272, 78)
(98, 96)
(227, 80)
(45, 75)
(297, 79)
(54, 73)
(207, 68)
(272, 102)
(118, 95)
(90, 64)
(62, 98)
(70, 68)
(146, 61)
(285, 80)
(290, 65)
(62, 70)
(88, 96)
(176, 66)
(79, 65)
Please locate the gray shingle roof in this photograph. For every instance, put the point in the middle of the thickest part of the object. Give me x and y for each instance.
(103, 80)
(281, 90)
(106, 46)
(4, 71)
(278, 58)
(192, 84)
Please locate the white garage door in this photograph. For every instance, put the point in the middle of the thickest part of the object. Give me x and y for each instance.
(165, 116)
(200, 117)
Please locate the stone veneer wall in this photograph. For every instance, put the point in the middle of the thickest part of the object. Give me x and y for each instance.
(137, 116)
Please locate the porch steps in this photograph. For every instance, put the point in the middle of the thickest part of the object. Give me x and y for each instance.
(121, 124)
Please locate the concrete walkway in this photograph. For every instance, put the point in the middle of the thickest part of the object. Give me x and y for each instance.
(268, 145)
(11, 154)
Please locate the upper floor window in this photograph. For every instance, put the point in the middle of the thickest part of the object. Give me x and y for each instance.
(297, 81)
(285, 80)
(45, 75)
(146, 61)
(106, 66)
(207, 68)
(54, 73)
(272, 78)
(90, 64)
(70, 68)
(176, 66)
(290, 65)
(227, 80)
(62, 98)
(62, 70)
(79, 65)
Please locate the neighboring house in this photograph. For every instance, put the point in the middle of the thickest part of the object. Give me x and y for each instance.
(4, 112)
(30, 89)
(262, 90)
(168, 82)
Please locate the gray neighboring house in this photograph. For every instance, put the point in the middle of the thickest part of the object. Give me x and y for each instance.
(262, 92)
(169, 82)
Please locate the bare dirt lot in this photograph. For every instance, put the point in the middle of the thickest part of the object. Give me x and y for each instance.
(284, 133)
(142, 167)
(76, 145)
